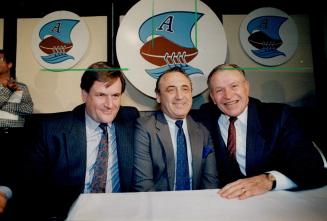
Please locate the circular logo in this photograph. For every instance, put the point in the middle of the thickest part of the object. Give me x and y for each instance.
(156, 36)
(269, 36)
(60, 40)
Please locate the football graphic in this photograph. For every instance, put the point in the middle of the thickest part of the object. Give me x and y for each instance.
(161, 51)
(261, 40)
(52, 45)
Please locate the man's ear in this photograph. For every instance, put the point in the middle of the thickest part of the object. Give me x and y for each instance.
(158, 98)
(84, 95)
(212, 98)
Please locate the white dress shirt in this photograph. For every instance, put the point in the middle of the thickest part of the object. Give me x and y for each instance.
(173, 129)
(93, 137)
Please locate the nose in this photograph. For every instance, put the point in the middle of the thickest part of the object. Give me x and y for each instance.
(228, 93)
(179, 94)
(108, 102)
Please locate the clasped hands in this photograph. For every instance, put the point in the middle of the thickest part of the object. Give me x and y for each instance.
(247, 187)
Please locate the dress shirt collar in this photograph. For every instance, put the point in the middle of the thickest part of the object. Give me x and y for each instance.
(91, 124)
(240, 118)
(171, 121)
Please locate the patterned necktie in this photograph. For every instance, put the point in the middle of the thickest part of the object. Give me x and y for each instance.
(99, 180)
(182, 170)
(231, 140)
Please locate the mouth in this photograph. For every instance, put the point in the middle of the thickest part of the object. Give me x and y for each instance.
(107, 112)
(230, 103)
(179, 104)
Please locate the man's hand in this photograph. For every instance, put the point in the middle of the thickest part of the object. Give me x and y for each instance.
(245, 188)
(4, 81)
(3, 202)
(12, 85)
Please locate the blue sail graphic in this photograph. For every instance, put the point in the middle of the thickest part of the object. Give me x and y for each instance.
(265, 36)
(60, 29)
(175, 26)
(269, 25)
(178, 31)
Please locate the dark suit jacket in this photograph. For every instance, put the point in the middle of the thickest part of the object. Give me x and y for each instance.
(57, 166)
(10, 154)
(154, 160)
(5, 180)
(274, 142)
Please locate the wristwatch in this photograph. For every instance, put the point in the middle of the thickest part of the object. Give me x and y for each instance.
(272, 179)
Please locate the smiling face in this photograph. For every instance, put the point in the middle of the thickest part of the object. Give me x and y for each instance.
(175, 95)
(229, 90)
(103, 101)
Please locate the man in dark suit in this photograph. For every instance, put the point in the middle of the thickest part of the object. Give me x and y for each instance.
(63, 160)
(156, 149)
(272, 152)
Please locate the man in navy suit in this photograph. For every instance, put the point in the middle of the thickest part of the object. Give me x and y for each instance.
(62, 162)
(272, 152)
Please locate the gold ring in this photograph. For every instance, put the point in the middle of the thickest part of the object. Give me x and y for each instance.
(243, 190)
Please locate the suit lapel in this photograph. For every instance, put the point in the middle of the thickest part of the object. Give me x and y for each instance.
(167, 145)
(254, 139)
(76, 147)
(196, 148)
(124, 141)
(119, 129)
(221, 152)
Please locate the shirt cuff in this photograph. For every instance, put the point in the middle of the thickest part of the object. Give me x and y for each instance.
(282, 181)
(7, 191)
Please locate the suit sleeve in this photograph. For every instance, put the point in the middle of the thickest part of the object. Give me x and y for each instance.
(143, 172)
(22, 106)
(300, 162)
(209, 174)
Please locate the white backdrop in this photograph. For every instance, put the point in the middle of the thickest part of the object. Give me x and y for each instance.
(53, 92)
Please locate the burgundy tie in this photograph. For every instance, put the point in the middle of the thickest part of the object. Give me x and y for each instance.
(231, 140)
(99, 180)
